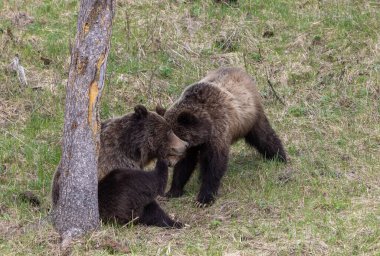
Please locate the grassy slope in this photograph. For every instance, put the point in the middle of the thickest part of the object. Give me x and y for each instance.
(323, 59)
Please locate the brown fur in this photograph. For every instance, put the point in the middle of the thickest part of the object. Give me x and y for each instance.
(212, 114)
(127, 195)
(131, 142)
(134, 140)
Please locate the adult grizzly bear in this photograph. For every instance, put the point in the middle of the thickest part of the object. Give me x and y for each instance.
(211, 115)
(127, 195)
(131, 142)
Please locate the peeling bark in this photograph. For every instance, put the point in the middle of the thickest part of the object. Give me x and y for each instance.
(75, 210)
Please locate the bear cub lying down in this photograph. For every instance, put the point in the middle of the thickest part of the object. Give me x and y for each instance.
(129, 195)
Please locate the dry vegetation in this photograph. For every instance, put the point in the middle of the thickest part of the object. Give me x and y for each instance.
(322, 59)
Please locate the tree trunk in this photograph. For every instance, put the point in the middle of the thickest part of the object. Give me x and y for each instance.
(76, 210)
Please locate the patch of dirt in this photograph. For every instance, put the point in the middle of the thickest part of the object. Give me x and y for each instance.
(44, 79)
(21, 19)
(17, 18)
(8, 228)
(11, 112)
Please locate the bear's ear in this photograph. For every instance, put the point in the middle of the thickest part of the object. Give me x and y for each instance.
(140, 111)
(187, 118)
(160, 110)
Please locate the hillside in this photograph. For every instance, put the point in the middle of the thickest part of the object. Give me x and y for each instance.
(317, 65)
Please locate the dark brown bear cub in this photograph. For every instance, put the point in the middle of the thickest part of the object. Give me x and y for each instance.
(131, 142)
(135, 139)
(129, 195)
(212, 114)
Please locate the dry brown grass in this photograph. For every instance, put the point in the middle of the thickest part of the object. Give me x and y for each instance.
(322, 58)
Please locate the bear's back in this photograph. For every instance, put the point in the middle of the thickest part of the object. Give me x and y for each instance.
(241, 97)
(111, 154)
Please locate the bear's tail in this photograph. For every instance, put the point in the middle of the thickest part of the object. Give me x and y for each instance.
(265, 140)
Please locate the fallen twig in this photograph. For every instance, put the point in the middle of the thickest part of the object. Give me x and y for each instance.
(15, 64)
(274, 91)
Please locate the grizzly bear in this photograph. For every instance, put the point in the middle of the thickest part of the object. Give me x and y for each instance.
(128, 195)
(131, 142)
(211, 115)
(134, 140)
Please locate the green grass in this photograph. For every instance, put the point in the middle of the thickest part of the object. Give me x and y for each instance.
(322, 58)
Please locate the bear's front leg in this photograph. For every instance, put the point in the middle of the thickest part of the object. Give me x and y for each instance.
(154, 215)
(182, 172)
(214, 159)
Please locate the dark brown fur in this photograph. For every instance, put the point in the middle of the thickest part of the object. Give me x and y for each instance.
(131, 142)
(127, 195)
(212, 114)
(135, 139)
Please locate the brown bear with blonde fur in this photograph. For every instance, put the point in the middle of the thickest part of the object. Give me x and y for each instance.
(211, 115)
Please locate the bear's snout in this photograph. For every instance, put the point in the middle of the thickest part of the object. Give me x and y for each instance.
(177, 146)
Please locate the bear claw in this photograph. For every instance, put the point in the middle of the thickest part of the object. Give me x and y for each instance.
(204, 200)
(202, 205)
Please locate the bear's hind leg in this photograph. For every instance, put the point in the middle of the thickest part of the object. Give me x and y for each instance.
(214, 159)
(265, 140)
(154, 215)
(182, 172)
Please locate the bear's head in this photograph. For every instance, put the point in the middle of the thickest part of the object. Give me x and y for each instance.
(192, 126)
(155, 137)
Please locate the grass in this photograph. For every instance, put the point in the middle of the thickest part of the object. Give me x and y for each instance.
(322, 58)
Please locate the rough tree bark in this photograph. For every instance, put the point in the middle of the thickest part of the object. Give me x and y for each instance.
(76, 210)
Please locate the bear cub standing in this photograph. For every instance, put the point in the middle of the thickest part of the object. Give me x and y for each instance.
(127, 195)
(211, 115)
